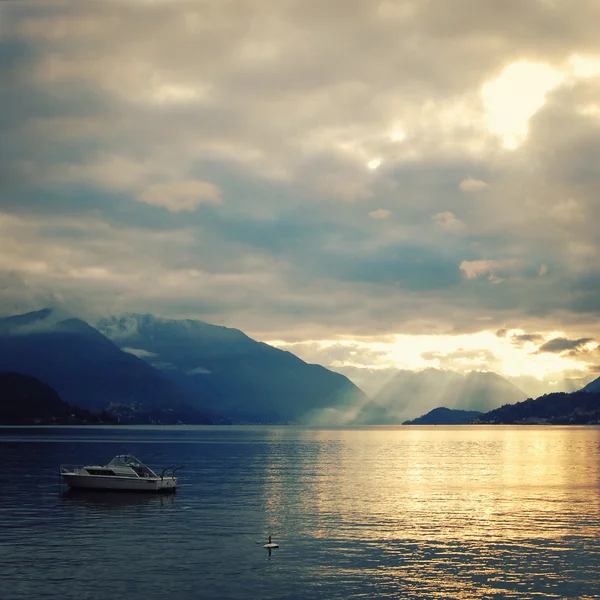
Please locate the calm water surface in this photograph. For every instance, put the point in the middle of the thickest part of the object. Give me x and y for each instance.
(410, 512)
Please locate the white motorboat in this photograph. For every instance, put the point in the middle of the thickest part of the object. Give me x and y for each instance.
(124, 472)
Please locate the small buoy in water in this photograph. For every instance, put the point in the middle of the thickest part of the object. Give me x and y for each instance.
(270, 544)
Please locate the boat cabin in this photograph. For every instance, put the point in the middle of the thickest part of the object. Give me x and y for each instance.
(123, 465)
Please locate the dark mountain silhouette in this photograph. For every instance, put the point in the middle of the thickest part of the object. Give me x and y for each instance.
(90, 371)
(445, 416)
(25, 400)
(592, 387)
(412, 393)
(237, 376)
(577, 408)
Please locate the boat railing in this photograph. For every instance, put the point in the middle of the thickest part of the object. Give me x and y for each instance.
(170, 471)
(70, 468)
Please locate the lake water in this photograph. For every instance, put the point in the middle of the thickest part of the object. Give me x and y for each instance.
(410, 512)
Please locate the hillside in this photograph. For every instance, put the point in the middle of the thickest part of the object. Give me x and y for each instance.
(578, 408)
(90, 371)
(592, 387)
(445, 416)
(236, 376)
(25, 400)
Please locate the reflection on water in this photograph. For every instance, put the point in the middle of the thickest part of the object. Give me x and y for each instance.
(412, 512)
(456, 512)
(108, 500)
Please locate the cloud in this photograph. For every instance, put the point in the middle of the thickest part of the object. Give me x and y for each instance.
(342, 186)
(558, 345)
(163, 365)
(198, 371)
(181, 195)
(140, 352)
(463, 359)
(472, 269)
(473, 185)
(566, 211)
(380, 214)
(526, 338)
(213, 162)
(568, 381)
(446, 220)
(515, 95)
(340, 353)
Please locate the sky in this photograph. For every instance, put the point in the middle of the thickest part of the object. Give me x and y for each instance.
(371, 185)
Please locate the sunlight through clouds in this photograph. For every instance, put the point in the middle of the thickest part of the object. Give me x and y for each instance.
(514, 96)
(397, 134)
(483, 351)
(584, 66)
(312, 171)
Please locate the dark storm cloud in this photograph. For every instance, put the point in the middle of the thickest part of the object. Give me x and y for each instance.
(521, 339)
(558, 345)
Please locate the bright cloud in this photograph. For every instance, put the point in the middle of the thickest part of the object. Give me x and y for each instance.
(473, 269)
(515, 95)
(483, 351)
(397, 134)
(181, 195)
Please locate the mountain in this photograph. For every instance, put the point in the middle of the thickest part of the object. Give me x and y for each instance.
(445, 416)
(90, 371)
(592, 387)
(577, 408)
(412, 393)
(25, 400)
(237, 376)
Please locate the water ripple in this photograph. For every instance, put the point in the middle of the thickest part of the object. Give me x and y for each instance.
(476, 512)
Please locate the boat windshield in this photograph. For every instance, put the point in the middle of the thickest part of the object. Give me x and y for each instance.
(127, 460)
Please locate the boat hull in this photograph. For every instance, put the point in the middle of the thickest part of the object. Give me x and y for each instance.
(129, 484)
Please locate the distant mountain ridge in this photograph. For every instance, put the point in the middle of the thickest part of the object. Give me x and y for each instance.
(413, 393)
(577, 408)
(445, 416)
(592, 387)
(145, 368)
(559, 408)
(236, 376)
(90, 371)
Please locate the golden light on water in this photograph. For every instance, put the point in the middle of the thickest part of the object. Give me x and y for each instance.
(443, 484)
